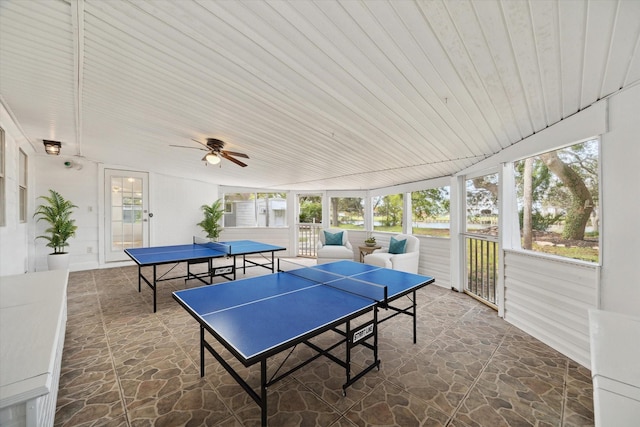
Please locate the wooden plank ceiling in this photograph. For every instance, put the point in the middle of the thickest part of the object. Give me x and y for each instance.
(320, 94)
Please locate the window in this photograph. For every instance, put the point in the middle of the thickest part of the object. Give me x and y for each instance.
(481, 240)
(255, 210)
(310, 208)
(431, 212)
(482, 205)
(22, 186)
(347, 212)
(558, 202)
(3, 202)
(387, 213)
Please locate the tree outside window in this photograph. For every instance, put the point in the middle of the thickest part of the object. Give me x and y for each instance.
(387, 213)
(482, 204)
(558, 203)
(347, 212)
(431, 212)
(310, 209)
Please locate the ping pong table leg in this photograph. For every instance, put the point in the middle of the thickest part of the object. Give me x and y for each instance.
(415, 318)
(155, 283)
(263, 391)
(348, 358)
(201, 351)
(139, 278)
(375, 337)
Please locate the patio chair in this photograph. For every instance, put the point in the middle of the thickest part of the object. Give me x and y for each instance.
(333, 246)
(403, 253)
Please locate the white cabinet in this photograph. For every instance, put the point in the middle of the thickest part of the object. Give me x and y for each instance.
(615, 368)
(33, 315)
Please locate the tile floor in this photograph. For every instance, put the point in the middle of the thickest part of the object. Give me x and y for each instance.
(123, 365)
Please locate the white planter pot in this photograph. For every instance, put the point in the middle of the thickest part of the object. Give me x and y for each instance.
(58, 261)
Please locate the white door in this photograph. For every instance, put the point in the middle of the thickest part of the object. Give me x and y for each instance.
(126, 212)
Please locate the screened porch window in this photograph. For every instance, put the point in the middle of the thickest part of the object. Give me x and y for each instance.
(347, 212)
(558, 203)
(387, 213)
(255, 210)
(430, 214)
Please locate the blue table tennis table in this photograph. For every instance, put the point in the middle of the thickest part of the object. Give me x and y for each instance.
(256, 318)
(200, 252)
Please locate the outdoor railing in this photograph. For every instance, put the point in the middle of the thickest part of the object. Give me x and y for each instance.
(482, 268)
(307, 239)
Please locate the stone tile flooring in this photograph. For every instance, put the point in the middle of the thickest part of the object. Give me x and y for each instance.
(123, 365)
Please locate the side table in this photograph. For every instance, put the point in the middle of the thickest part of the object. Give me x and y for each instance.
(364, 250)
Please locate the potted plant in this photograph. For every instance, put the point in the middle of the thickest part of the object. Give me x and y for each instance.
(370, 241)
(211, 223)
(57, 213)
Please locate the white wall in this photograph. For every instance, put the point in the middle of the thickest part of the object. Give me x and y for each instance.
(549, 298)
(14, 243)
(620, 189)
(80, 186)
(175, 203)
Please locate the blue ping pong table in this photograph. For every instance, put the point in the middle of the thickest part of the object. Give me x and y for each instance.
(256, 318)
(197, 253)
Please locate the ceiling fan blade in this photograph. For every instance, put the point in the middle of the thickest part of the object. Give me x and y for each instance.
(236, 161)
(201, 143)
(233, 153)
(184, 146)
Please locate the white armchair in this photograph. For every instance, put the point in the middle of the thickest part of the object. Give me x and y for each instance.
(407, 261)
(336, 250)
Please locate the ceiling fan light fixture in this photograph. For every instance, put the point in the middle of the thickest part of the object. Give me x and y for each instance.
(212, 158)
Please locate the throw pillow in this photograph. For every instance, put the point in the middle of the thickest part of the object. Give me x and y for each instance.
(397, 246)
(333, 238)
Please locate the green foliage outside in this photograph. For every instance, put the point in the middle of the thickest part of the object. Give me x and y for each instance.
(575, 252)
(388, 212)
(433, 232)
(541, 222)
(347, 212)
(57, 212)
(310, 209)
(563, 184)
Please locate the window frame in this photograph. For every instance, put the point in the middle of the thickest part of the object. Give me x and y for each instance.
(3, 193)
(252, 196)
(410, 228)
(23, 185)
(346, 225)
(516, 244)
(403, 196)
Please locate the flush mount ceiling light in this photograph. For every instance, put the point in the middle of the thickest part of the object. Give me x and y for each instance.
(212, 158)
(52, 147)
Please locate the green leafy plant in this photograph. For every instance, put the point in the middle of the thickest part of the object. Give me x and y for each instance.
(212, 215)
(57, 212)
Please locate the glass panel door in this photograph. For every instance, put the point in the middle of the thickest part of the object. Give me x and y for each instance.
(126, 215)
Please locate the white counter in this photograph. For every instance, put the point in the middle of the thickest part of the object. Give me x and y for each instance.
(33, 315)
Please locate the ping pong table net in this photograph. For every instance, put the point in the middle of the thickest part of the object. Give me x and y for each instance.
(351, 284)
(217, 246)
